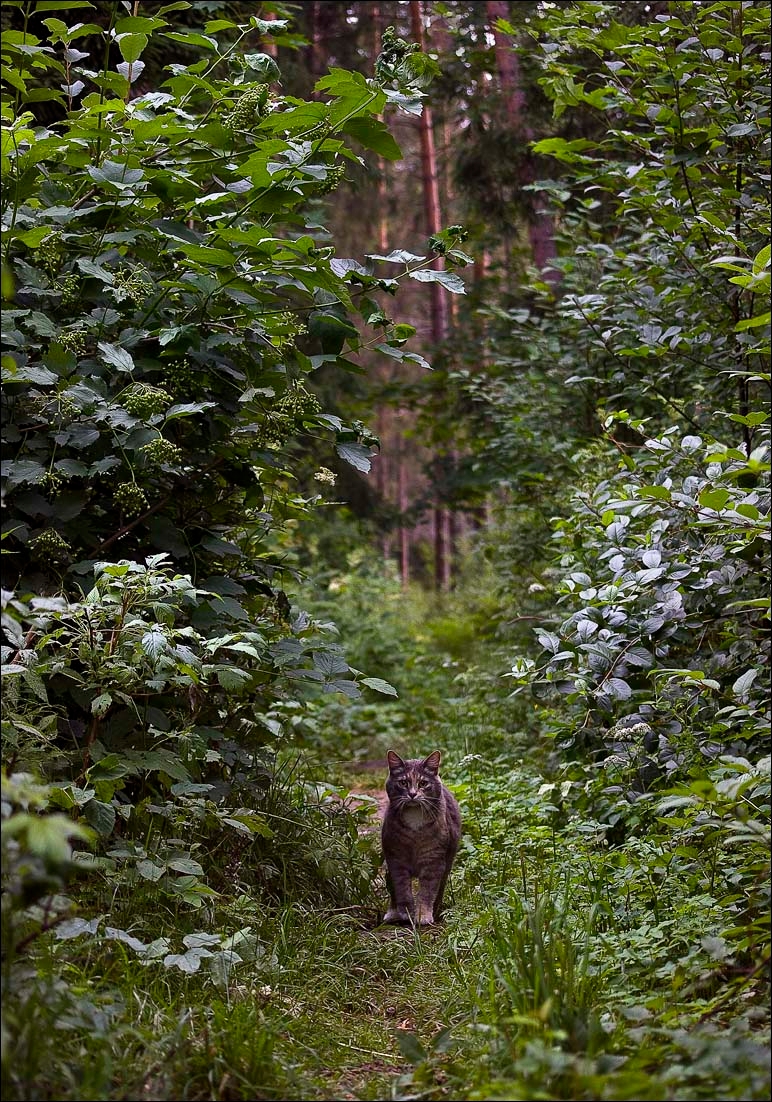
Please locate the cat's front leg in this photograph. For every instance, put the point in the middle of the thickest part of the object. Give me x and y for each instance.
(429, 898)
(399, 881)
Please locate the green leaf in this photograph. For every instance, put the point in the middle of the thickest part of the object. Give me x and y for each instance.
(410, 1047)
(100, 705)
(116, 174)
(449, 280)
(567, 151)
(100, 816)
(373, 134)
(205, 255)
(131, 46)
(249, 822)
(714, 499)
(232, 679)
(743, 683)
(617, 688)
(116, 356)
(661, 493)
(379, 686)
(356, 454)
(186, 865)
(752, 323)
(48, 836)
(149, 870)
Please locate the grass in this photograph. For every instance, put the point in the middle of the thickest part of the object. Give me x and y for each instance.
(565, 970)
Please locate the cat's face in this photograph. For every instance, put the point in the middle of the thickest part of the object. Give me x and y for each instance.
(414, 783)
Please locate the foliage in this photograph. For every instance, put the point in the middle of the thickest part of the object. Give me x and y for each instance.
(673, 544)
(190, 902)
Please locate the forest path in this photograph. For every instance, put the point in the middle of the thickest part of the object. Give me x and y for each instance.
(401, 991)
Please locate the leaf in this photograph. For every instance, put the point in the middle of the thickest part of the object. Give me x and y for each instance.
(356, 454)
(27, 373)
(131, 71)
(345, 686)
(639, 656)
(131, 46)
(379, 686)
(100, 705)
(232, 679)
(187, 962)
(197, 940)
(373, 134)
(22, 470)
(617, 688)
(116, 174)
(100, 816)
(410, 1047)
(341, 266)
(262, 67)
(397, 256)
(740, 129)
(330, 663)
(149, 870)
(714, 499)
(155, 643)
(76, 927)
(751, 323)
(548, 640)
(126, 938)
(562, 150)
(186, 865)
(449, 280)
(116, 356)
(249, 822)
(743, 683)
(186, 409)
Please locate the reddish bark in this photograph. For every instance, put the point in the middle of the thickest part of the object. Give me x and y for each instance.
(541, 225)
(439, 313)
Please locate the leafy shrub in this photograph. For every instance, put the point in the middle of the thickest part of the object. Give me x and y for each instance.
(668, 550)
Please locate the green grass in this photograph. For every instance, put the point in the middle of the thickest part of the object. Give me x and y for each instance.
(566, 969)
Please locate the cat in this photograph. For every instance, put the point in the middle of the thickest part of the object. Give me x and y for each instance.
(420, 835)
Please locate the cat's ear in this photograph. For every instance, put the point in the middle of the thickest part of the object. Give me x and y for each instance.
(395, 761)
(432, 763)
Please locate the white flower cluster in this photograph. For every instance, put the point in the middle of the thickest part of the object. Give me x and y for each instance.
(324, 474)
(631, 732)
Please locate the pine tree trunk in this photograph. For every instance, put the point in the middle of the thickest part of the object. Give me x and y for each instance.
(439, 303)
(541, 226)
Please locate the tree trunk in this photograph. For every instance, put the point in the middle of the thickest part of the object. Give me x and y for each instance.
(439, 302)
(268, 44)
(541, 225)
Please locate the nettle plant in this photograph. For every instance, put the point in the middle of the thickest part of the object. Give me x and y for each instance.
(662, 654)
(169, 294)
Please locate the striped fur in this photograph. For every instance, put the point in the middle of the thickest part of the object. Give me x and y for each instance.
(421, 832)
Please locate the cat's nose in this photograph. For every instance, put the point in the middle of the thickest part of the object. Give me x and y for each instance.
(412, 793)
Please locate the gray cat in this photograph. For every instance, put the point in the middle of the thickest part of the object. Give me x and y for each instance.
(421, 831)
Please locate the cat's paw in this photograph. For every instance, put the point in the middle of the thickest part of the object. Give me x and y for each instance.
(397, 916)
(426, 918)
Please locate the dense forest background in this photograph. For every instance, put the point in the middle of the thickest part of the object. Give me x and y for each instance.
(385, 375)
